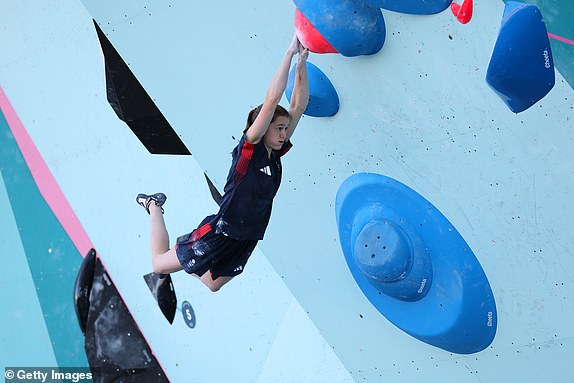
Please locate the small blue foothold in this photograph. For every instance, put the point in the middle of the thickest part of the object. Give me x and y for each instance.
(323, 98)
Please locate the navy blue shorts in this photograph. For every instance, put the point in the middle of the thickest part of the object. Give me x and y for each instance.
(203, 249)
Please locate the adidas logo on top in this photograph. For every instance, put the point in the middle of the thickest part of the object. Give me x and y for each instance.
(266, 170)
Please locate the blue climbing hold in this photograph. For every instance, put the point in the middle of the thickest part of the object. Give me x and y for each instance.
(521, 69)
(413, 266)
(415, 7)
(352, 27)
(323, 98)
(390, 255)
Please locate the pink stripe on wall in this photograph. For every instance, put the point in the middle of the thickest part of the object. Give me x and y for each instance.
(560, 38)
(51, 192)
(44, 180)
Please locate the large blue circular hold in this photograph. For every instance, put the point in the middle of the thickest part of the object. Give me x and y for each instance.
(443, 298)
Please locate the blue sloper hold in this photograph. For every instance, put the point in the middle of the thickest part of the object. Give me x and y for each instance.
(323, 98)
(413, 265)
(521, 69)
(352, 27)
(414, 7)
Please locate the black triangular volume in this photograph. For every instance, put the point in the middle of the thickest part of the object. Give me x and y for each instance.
(164, 293)
(134, 106)
(116, 349)
(215, 194)
(83, 287)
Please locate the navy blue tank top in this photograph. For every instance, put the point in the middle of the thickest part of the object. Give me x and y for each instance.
(252, 182)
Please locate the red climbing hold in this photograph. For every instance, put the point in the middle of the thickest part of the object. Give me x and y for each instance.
(462, 12)
(310, 36)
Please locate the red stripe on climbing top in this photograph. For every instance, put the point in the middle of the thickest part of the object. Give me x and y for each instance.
(244, 160)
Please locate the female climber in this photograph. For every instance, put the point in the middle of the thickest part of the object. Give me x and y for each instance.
(219, 248)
